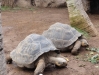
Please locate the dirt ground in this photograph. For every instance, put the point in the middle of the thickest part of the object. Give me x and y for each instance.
(17, 24)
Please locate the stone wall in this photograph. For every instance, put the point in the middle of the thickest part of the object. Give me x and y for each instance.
(50, 3)
(7, 2)
(24, 3)
(42, 3)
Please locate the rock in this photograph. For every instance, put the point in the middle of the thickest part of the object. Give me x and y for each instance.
(50, 3)
(86, 5)
(96, 66)
(79, 18)
(24, 3)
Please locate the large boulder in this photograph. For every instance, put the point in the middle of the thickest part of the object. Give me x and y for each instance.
(50, 3)
(86, 5)
(41, 3)
(23, 3)
(79, 18)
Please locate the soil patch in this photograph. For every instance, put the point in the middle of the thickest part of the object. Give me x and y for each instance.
(17, 24)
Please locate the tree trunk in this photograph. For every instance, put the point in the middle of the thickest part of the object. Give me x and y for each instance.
(2, 57)
(79, 18)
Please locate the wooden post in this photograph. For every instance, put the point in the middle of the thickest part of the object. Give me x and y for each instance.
(79, 18)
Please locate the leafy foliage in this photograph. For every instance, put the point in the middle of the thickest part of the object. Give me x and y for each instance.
(92, 56)
(95, 58)
(93, 49)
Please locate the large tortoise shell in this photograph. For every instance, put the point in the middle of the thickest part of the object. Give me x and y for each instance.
(31, 48)
(62, 35)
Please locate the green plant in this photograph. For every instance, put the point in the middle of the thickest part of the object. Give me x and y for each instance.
(4, 8)
(94, 59)
(93, 49)
(7, 8)
(16, 8)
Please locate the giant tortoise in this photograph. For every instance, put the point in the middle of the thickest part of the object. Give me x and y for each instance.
(36, 51)
(65, 37)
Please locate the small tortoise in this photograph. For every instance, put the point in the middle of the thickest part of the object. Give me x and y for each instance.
(65, 37)
(36, 51)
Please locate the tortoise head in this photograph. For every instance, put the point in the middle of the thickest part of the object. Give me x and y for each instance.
(84, 43)
(61, 62)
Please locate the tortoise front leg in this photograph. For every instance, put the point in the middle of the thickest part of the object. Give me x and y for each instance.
(77, 45)
(40, 67)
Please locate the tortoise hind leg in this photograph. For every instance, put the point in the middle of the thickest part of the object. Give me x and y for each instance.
(8, 59)
(40, 67)
(77, 45)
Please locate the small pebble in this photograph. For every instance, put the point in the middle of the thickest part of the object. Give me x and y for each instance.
(96, 66)
(91, 53)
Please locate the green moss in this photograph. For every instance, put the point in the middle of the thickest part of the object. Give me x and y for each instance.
(79, 23)
(7, 8)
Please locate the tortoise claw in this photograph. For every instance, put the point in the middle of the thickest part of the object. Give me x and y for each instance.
(67, 59)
